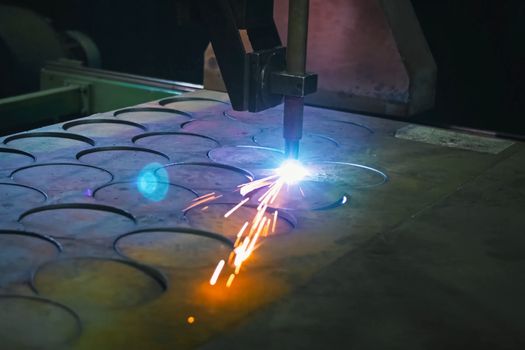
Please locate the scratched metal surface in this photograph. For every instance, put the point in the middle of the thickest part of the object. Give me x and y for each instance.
(90, 261)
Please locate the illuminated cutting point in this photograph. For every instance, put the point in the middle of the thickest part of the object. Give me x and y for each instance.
(191, 320)
(292, 171)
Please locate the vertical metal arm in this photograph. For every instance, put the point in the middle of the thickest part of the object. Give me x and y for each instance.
(229, 49)
(245, 74)
(295, 65)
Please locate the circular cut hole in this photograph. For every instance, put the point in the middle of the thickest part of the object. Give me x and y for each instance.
(269, 117)
(347, 175)
(153, 115)
(211, 218)
(340, 129)
(145, 195)
(221, 128)
(121, 157)
(207, 175)
(306, 195)
(248, 156)
(311, 145)
(14, 196)
(182, 248)
(174, 142)
(97, 282)
(56, 178)
(104, 127)
(193, 104)
(78, 219)
(22, 252)
(48, 142)
(12, 158)
(36, 323)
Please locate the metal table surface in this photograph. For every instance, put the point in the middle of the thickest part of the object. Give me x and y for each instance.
(400, 242)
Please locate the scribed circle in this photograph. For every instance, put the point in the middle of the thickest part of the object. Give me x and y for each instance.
(33, 322)
(306, 195)
(169, 142)
(11, 158)
(351, 175)
(312, 145)
(62, 177)
(248, 156)
(103, 127)
(272, 116)
(126, 194)
(210, 217)
(148, 115)
(204, 175)
(74, 219)
(13, 195)
(32, 141)
(220, 128)
(193, 104)
(335, 128)
(22, 252)
(64, 135)
(174, 247)
(123, 157)
(87, 282)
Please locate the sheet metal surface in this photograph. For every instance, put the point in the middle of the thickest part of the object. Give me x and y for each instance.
(121, 271)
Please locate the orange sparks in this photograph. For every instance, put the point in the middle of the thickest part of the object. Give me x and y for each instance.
(239, 235)
(217, 272)
(231, 257)
(276, 190)
(240, 204)
(261, 225)
(266, 228)
(250, 248)
(254, 185)
(202, 201)
(203, 196)
(230, 280)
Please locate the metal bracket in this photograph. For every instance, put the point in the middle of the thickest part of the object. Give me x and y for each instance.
(297, 85)
(262, 64)
(85, 94)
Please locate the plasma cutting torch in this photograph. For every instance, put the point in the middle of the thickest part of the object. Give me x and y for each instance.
(260, 79)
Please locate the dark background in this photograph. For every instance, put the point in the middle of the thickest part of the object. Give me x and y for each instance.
(478, 45)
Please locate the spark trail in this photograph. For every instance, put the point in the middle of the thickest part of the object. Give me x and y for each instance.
(261, 225)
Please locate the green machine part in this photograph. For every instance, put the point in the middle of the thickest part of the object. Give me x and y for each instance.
(69, 90)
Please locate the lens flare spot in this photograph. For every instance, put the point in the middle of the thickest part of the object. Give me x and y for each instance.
(292, 171)
(191, 319)
(152, 182)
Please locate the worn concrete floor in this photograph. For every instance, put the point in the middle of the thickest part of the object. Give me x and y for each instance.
(432, 259)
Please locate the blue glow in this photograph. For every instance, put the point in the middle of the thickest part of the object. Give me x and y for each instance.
(152, 182)
(292, 171)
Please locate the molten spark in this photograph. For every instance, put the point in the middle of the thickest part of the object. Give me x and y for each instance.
(230, 280)
(240, 204)
(275, 216)
(207, 198)
(203, 196)
(291, 172)
(217, 272)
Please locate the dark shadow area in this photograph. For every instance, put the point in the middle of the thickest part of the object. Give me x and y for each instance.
(477, 44)
(480, 54)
